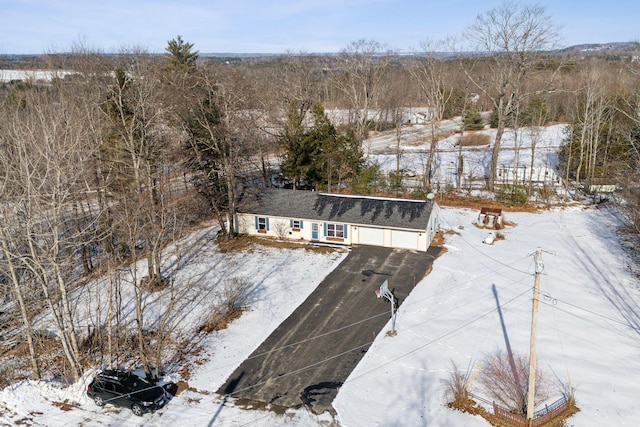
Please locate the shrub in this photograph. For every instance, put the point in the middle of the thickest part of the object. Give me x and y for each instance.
(512, 195)
(281, 228)
(420, 193)
(456, 388)
(473, 139)
(234, 296)
(505, 376)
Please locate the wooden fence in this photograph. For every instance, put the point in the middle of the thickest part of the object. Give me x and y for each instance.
(540, 417)
(549, 412)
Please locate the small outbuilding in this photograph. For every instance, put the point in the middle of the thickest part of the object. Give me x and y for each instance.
(490, 218)
(601, 185)
(336, 218)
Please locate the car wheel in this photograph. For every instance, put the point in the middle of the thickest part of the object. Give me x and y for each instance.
(98, 400)
(137, 409)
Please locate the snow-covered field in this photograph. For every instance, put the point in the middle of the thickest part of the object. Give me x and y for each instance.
(514, 162)
(46, 75)
(588, 330)
(588, 324)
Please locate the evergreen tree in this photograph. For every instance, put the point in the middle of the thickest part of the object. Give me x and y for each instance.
(322, 138)
(536, 113)
(455, 105)
(368, 179)
(296, 161)
(321, 155)
(180, 54)
(473, 120)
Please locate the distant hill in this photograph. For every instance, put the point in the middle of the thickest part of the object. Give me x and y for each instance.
(614, 47)
(33, 61)
(579, 49)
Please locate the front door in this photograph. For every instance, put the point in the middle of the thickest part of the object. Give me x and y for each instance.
(314, 230)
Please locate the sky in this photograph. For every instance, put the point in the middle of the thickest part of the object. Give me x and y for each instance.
(268, 26)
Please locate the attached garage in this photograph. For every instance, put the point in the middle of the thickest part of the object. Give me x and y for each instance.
(371, 236)
(404, 239)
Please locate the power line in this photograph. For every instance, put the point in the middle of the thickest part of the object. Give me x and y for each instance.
(554, 305)
(310, 366)
(635, 328)
(450, 332)
(484, 254)
(404, 306)
(447, 334)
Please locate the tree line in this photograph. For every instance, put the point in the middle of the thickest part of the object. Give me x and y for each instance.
(102, 168)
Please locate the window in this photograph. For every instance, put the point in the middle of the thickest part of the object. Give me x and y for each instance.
(110, 386)
(262, 224)
(136, 384)
(295, 224)
(336, 230)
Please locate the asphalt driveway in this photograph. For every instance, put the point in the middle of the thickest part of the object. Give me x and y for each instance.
(308, 357)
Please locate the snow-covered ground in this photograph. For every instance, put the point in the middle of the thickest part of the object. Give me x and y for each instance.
(588, 324)
(46, 75)
(514, 161)
(588, 330)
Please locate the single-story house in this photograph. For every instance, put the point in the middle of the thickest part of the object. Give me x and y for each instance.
(336, 218)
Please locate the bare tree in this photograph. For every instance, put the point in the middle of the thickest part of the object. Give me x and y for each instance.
(136, 152)
(394, 113)
(430, 71)
(511, 36)
(587, 122)
(300, 81)
(220, 126)
(44, 154)
(95, 207)
(361, 66)
(296, 83)
(502, 379)
(11, 265)
(630, 176)
(11, 270)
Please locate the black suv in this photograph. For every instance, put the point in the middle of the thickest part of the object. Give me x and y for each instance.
(126, 389)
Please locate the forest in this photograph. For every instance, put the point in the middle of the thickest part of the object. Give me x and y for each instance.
(120, 154)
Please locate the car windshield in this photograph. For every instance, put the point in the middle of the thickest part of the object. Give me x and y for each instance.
(135, 383)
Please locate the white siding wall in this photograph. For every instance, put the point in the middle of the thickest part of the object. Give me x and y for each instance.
(281, 228)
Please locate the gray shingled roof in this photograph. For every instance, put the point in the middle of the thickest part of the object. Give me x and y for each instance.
(311, 205)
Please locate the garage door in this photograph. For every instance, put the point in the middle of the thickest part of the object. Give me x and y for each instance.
(371, 236)
(404, 239)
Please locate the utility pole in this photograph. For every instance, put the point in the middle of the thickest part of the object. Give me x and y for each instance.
(532, 349)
